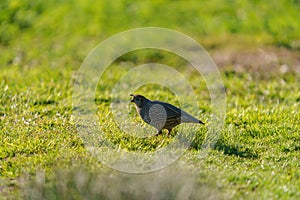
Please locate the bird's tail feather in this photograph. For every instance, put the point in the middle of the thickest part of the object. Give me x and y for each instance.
(190, 119)
(201, 122)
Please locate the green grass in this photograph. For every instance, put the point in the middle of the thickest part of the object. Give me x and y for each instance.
(41, 153)
(257, 153)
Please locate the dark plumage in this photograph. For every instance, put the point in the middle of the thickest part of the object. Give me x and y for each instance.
(161, 115)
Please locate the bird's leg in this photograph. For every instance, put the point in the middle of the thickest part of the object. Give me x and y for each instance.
(172, 132)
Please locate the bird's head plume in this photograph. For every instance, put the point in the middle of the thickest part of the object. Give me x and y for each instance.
(139, 100)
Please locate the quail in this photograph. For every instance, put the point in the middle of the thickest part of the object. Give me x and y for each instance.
(161, 115)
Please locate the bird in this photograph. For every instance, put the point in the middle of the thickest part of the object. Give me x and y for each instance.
(161, 115)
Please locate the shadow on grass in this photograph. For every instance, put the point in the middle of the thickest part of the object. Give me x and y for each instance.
(102, 100)
(44, 102)
(227, 149)
(235, 150)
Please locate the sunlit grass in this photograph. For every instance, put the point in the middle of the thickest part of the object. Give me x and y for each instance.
(42, 45)
(260, 138)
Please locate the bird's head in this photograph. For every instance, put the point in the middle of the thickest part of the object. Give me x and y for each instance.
(139, 100)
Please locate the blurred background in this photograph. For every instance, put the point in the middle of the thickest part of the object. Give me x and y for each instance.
(56, 33)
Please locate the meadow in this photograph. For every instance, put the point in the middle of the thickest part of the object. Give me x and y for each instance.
(256, 46)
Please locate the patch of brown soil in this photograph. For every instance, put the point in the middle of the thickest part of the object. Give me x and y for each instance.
(275, 60)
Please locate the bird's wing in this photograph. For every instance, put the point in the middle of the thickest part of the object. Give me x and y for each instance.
(158, 116)
(174, 112)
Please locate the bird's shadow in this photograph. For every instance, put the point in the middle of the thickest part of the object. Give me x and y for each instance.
(229, 149)
(235, 150)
